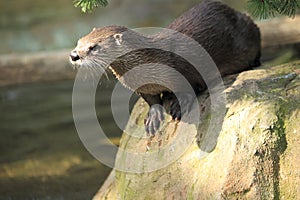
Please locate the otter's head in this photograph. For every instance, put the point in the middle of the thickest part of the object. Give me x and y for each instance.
(92, 48)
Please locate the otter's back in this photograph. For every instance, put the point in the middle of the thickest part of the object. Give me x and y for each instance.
(230, 37)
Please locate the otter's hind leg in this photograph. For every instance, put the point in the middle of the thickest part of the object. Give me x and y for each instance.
(177, 104)
(155, 114)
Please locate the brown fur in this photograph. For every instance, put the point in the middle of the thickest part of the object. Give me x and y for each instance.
(231, 38)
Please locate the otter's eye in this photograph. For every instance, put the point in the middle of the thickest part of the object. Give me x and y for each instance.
(94, 48)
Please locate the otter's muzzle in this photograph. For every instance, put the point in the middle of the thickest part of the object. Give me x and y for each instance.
(74, 56)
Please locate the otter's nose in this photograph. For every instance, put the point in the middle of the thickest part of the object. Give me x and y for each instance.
(74, 56)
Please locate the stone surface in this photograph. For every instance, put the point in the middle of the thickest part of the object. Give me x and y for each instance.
(256, 155)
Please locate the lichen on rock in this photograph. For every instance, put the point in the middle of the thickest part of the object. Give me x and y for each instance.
(256, 156)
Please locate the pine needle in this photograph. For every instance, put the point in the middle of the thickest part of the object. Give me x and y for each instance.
(289, 7)
(89, 5)
(269, 8)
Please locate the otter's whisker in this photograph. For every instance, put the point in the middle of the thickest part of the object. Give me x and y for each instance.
(98, 66)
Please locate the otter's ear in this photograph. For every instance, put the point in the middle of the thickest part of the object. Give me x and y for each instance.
(118, 38)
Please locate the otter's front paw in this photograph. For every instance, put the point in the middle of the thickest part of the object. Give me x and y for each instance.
(154, 119)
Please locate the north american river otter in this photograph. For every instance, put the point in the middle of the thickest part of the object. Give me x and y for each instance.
(231, 39)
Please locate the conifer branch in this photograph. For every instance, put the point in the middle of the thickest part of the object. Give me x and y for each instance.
(259, 8)
(89, 5)
(269, 8)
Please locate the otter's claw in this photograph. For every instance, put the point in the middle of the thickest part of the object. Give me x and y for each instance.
(154, 119)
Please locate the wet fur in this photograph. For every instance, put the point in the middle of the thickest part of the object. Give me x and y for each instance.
(231, 38)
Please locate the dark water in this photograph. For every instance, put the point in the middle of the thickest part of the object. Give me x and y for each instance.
(41, 154)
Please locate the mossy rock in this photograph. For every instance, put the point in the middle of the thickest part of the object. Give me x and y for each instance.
(256, 156)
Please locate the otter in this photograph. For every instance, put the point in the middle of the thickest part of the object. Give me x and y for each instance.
(231, 38)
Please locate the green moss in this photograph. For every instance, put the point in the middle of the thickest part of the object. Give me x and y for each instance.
(279, 128)
(190, 193)
(123, 181)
